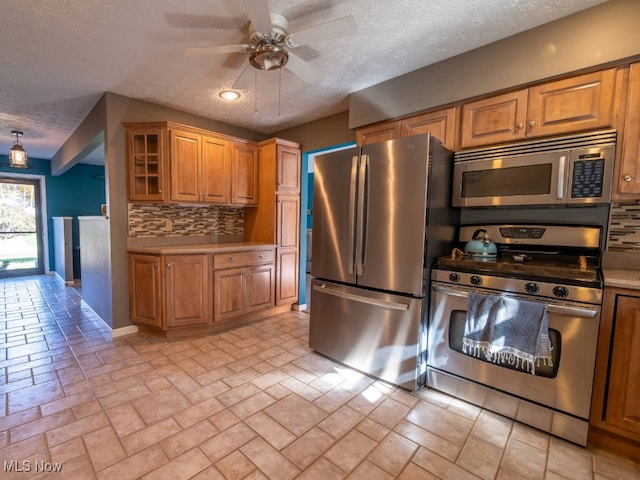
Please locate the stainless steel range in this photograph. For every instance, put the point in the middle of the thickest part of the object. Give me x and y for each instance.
(558, 266)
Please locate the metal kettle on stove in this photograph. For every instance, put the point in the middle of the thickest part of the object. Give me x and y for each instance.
(480, 247)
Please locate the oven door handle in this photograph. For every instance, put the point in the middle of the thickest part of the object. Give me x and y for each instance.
(551, 307)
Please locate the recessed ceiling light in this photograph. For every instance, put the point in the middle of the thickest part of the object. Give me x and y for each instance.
(229, 95)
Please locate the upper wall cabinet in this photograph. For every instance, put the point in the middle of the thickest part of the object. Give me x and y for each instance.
(288, 169)
(244, 174)
(629, 169)
(146, 163)
(197, 166)
(574, 104)
(378, 133)
(439, 123)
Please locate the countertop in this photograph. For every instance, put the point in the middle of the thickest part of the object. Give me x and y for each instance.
(621, 278)
(621, 269)
(199, 248)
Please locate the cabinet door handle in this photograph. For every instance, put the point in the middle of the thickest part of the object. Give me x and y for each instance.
(155, 265)
(519, 126)
(532, 123)
(627, 178)
(168, 265)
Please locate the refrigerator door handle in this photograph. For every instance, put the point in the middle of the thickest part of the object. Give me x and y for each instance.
(359, 298)
(361, 233)
(352, 212)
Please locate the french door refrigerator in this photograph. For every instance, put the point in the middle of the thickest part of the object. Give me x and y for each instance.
(381, 215)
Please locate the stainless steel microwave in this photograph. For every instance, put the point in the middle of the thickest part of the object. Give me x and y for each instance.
(569, 171)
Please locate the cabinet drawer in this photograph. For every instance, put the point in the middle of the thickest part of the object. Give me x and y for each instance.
(242, 259)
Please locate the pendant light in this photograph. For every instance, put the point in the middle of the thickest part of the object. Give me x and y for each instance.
(17, 155)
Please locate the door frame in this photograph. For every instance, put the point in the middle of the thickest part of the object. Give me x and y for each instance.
(41, 179)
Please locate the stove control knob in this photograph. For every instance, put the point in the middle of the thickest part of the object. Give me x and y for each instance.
(454, 277)
(531, 287)
(476, 280)
(561, 292)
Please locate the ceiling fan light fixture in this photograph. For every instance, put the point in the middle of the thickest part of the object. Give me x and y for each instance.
(17, 154)
(268, 56)
(229, 95)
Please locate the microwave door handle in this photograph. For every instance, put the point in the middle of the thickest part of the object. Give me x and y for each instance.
(561, 175)
(352, 212)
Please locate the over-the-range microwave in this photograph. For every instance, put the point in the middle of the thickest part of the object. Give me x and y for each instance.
(573, 170)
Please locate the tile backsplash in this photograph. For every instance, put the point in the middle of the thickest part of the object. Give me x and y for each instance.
(624, 227)
(159, 220)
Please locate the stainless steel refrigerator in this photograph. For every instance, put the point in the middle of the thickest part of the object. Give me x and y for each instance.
(381, 215)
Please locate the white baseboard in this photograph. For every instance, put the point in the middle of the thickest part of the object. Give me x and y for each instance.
(128, 330)
(299, 307)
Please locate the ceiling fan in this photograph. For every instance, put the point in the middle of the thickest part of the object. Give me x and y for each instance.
(270, 42)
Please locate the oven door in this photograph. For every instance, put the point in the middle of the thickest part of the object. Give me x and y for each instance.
(565, 387)
(532, 179)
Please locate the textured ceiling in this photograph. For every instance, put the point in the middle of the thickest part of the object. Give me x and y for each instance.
(59, 57)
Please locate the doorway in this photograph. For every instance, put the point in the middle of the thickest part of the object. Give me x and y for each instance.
(21, 249)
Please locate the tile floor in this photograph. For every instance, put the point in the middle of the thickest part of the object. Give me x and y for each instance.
(249, 403)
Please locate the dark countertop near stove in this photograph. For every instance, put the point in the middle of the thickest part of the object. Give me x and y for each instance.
(532, 268)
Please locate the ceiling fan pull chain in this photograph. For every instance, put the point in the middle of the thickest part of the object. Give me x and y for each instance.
(279, 91)
(255, 92)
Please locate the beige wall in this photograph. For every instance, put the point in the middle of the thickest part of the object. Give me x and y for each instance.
(326, 132)
(587, 39)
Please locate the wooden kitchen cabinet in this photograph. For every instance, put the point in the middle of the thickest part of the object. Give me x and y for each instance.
(173, 163)
(287, 238)
(216, 170)
(288, 169)
(146, 167)
(277, 218)
(615, 411)
(185, 166)
(187, 290)
(244, 174)
(145, 290)
(169, 291)
(629, 168)
(243, 282)
(584, 102)
(439, 123)
(378, 132)
(210, 169)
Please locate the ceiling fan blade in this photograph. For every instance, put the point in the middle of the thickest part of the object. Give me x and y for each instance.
(301, 68)
(340, 27)
(236, 48)
(259, 14)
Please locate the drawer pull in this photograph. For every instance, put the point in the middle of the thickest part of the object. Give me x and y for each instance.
(230, 259)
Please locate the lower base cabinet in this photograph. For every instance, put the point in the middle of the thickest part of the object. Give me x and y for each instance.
(615, 411)
(243, 283)
(145, 290)
(178, 292)
(187, 290)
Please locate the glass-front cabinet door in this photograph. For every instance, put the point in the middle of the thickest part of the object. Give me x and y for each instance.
(146, 163)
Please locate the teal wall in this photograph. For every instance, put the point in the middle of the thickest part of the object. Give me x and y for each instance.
(75, 192)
